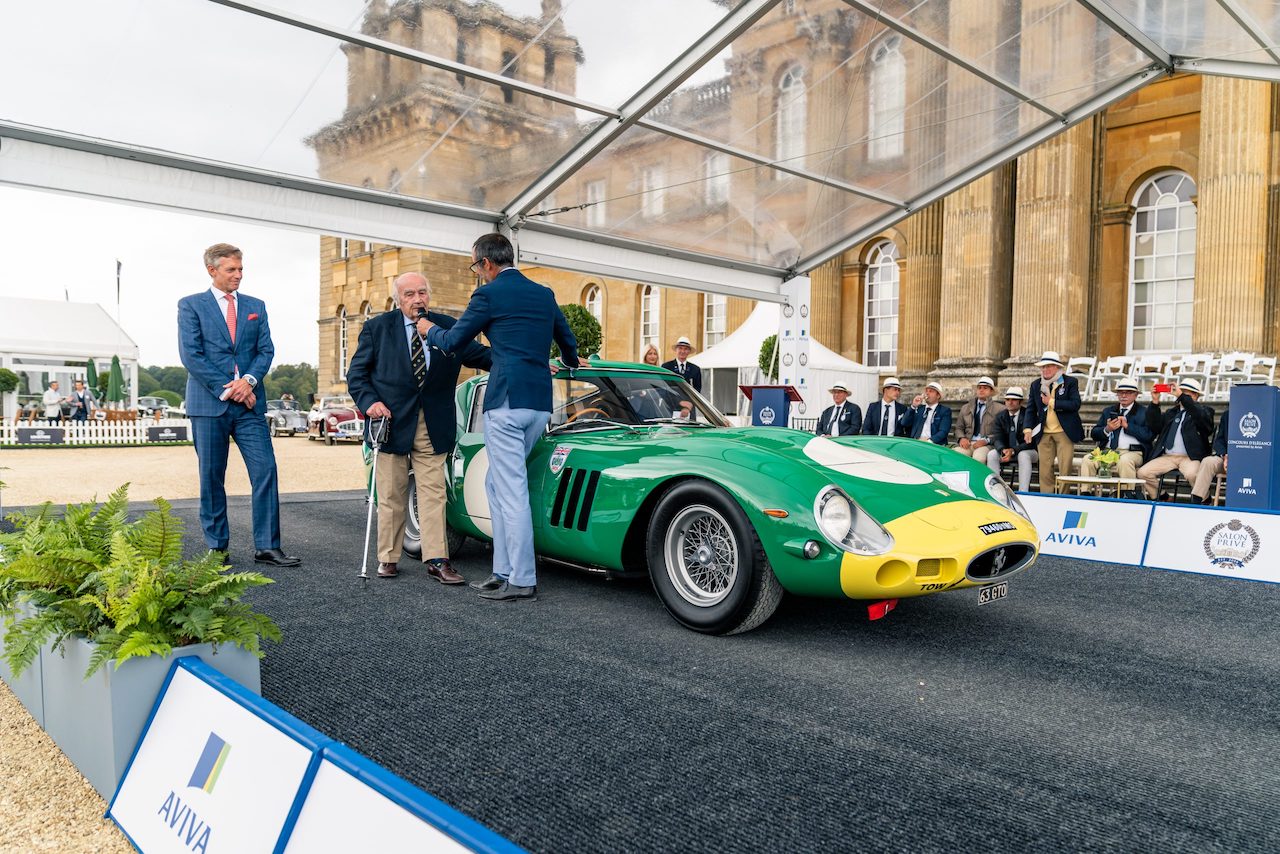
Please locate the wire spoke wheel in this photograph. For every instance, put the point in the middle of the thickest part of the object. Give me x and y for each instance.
(701, 555)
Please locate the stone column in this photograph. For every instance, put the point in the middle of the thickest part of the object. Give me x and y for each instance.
(824, 305)
(852, 274)
(919, 293)
(1235, 124)
(1112, 309)
(1271, 338)
(977, 253)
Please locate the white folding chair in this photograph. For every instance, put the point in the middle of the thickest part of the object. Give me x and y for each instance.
(1194, 366)
(1263, 370)
(1083, 368)
(1110, 371)
(1232, 368)
(1149, 370)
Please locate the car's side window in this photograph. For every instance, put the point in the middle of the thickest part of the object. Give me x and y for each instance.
(475, 423)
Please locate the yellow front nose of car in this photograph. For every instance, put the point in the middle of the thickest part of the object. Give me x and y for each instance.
(942, 547)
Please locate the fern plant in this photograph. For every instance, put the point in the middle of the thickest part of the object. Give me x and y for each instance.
(122, 585)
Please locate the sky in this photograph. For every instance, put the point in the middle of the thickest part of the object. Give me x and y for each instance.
(200, 79)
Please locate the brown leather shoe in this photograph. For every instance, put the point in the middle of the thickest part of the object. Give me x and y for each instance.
(441, 570)
(387, 570)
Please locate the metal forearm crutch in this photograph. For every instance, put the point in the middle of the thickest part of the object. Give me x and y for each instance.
(377, 435)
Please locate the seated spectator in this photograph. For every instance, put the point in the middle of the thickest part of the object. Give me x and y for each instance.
(1007, 441)
(1213, 465)
(977, 420)
(841, 418)
(1183, 439)
(928, 418)
(884, 417)
(1122, 427)
(1053, 418)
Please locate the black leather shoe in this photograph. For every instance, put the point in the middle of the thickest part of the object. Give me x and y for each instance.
(511, 593)
(226, 558)
(493, 582)
(276, 557)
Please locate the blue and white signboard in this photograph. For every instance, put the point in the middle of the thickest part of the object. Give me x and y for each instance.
(1253, 477)
(1216, 541)
(211, 773)
(356, 805)
(1089, 528)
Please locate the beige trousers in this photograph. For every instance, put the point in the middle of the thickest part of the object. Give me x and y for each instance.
(1210, 467)
(979, 453)
(1126, 467)
(1151, 472)
(393, 498)
(1054, 446)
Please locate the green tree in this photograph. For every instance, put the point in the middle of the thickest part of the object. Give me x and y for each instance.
(173, 378)
(299, 380)
(585, 328)
(147, 384)
(170, 397)
(767, 361)
(8, 380)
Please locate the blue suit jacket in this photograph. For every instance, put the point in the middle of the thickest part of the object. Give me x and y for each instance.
(520, 318)
(692, 373)
(381, 370)
(875, 415)
(913, 423)
(1139, 429)
(1066, 404)
(205, 347)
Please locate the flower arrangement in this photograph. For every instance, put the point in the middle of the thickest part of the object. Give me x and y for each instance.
(1105, 460)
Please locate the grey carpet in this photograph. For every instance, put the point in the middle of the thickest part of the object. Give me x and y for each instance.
(1096, 708)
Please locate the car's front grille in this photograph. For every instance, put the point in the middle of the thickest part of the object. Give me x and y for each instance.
(999, 562)
(574, 497)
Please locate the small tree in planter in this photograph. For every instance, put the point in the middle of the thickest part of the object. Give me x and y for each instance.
(103, 604)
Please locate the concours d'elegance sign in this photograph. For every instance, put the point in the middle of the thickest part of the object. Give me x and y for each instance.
(41, 435)
(166, 434)
(1216, 541)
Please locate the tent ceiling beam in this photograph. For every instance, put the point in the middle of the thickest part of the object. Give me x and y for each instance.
(780, 166)
(930, 44)
(383, 46)
(1251, 26)
(1136, 37)
(977, 170)
(659, 87)
(1231, 68)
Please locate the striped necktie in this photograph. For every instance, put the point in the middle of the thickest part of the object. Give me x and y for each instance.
(231, 316)
(418, 358)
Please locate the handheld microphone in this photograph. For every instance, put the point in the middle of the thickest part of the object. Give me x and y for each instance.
(422, 314)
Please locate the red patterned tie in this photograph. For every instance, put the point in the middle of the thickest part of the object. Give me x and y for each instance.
(231, 316)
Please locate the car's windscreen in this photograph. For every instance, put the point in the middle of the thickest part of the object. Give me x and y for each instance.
(629, 400)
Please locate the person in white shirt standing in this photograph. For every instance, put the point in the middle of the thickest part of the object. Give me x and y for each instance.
(53, 403)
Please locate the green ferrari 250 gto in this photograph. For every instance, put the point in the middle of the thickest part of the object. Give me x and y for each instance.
(637, 473)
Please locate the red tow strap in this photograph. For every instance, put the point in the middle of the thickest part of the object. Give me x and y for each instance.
(876, 610)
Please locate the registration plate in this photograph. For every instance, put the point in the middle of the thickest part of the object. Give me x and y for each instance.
(993, 593)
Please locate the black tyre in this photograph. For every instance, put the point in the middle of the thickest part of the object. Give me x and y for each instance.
(328, 437)
(706, 562)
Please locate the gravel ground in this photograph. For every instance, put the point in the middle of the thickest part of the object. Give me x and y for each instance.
(62, 475)
(45, 805)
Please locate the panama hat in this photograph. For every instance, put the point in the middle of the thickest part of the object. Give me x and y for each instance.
(1049, 357)
(986, 381)
(891, 382)
(682, 340)
(1127, 385)
(1014, 391)
(1189, 385)
(839, 387)
(935, 387)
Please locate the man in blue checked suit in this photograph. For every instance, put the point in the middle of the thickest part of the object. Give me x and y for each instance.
(520, 318)
(225, 345)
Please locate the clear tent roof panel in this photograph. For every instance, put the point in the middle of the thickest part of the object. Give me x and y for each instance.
(498, 110)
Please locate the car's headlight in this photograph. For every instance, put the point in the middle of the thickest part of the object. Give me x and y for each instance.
(847, 525)
(1000, 491)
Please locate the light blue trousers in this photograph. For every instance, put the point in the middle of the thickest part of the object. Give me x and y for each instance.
(509, 435)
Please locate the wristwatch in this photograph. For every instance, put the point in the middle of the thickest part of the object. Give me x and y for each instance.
(251, 380)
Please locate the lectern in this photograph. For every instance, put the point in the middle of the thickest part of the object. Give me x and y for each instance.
(770, 404)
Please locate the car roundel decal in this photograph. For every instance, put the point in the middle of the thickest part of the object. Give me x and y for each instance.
(558, 458)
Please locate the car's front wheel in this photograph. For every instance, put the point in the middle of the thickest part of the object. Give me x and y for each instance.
(706, 562)
(412, 544)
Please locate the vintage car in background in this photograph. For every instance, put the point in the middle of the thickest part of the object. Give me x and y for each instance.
(637, 474)
(285, 418)
(335, 419)
(151, 406)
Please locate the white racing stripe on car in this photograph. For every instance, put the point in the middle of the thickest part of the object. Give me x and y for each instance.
(477, 500)
(859, 463)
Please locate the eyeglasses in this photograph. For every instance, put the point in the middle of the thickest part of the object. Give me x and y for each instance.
(473, 264)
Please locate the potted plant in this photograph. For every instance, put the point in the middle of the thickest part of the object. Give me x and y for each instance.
(1105, 459)
(102, 605)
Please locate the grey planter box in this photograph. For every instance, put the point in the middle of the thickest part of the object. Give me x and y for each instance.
(97, 721)
(29, 687)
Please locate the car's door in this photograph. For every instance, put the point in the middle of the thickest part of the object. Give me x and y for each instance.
(468, 465)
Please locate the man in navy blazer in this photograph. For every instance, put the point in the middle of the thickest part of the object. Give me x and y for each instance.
(1122, 427)
(884, 417)
(842, 418)
(928, 412)
(520, 318)
(1053, 418)
(682, 366)
(384, 384)
(225, 345)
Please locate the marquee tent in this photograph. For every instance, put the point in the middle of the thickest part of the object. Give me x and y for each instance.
(135, 105)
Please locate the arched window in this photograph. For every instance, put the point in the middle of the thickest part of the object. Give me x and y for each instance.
(342, 342)
(713, 319)
(650, 302)
(880, 340)
(887, 100)
(792, 115)
(593, 299)
(1162, 264)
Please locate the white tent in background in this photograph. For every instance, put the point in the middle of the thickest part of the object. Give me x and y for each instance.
(735, 361)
